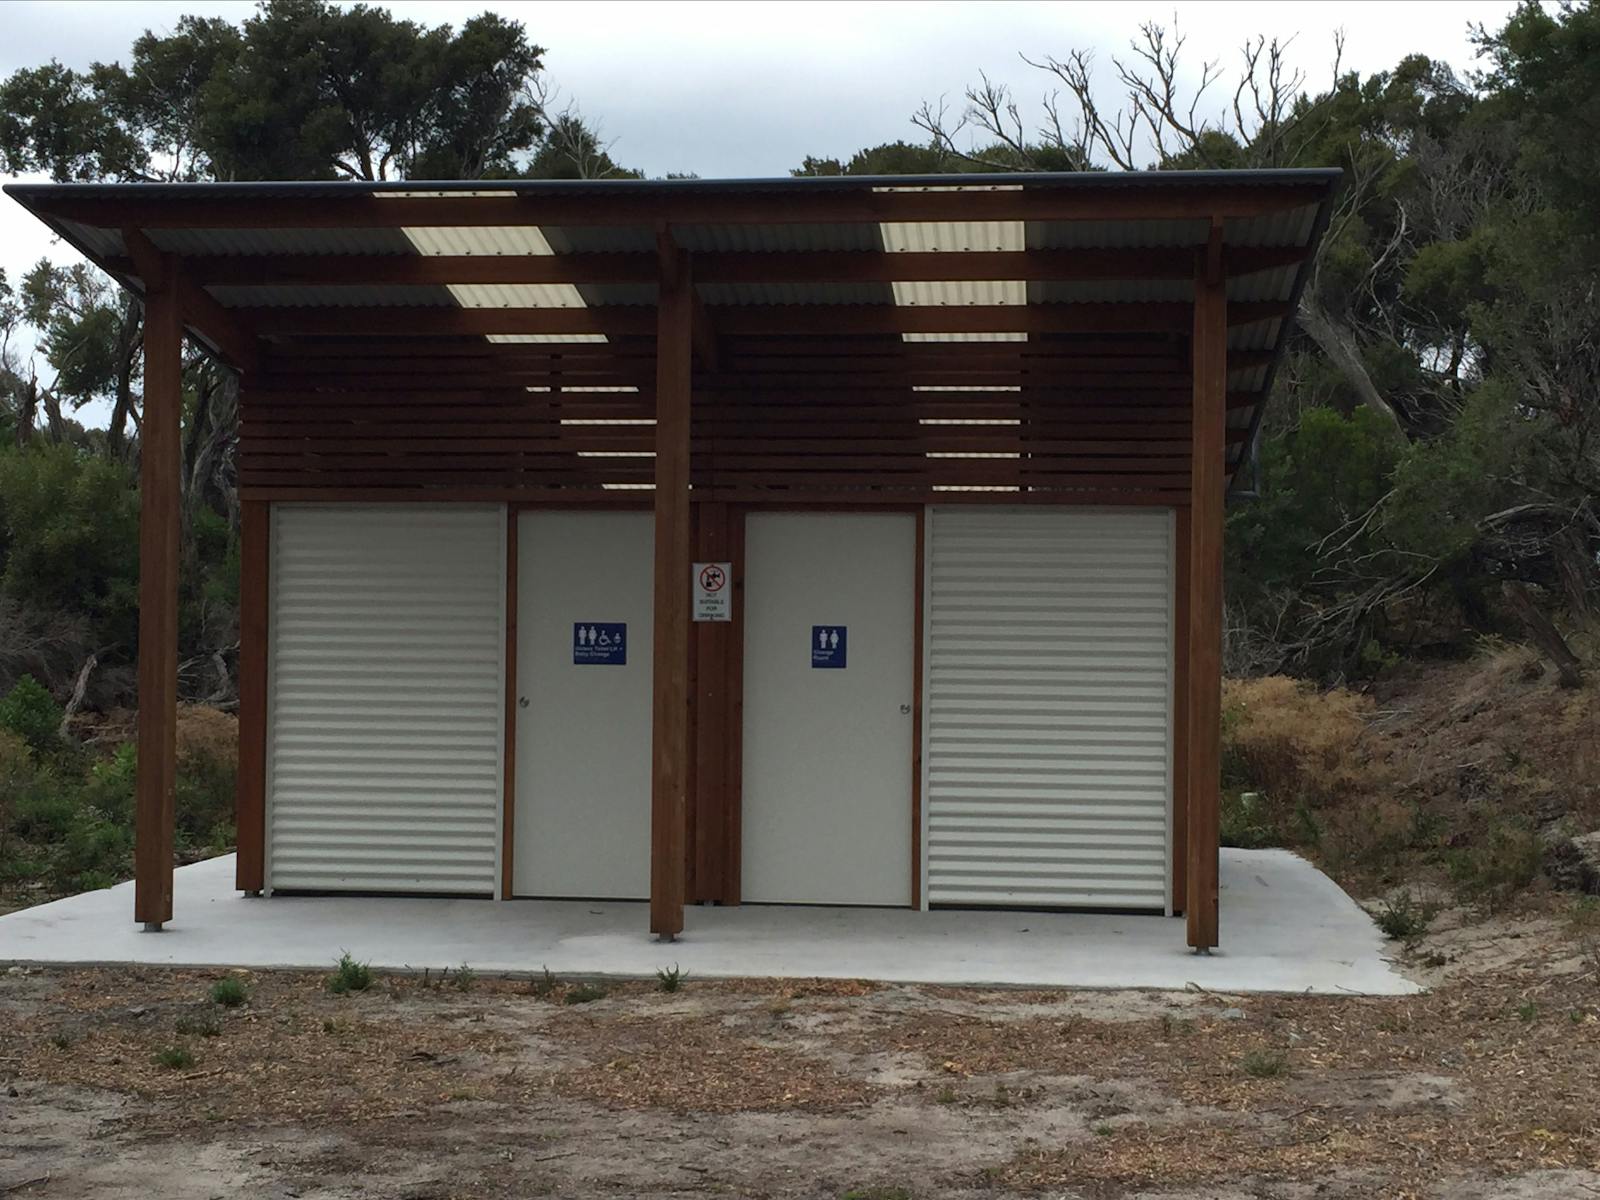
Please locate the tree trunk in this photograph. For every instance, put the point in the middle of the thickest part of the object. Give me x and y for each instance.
(78, 690)
(1545, 635)
(1339, 344)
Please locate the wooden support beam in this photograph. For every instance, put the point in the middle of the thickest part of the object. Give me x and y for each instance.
(206, 319)
(819, 266)
(1207, 472)
(250, 795)
(158, 599)
(671, 741)
(746, 320)
(843, 203)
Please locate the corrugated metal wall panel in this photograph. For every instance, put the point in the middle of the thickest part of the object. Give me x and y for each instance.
(1048, 707)
(386, 702)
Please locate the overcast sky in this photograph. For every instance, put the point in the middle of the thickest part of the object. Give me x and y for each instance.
(749, 89)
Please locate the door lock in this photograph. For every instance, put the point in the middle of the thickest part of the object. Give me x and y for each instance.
(522, 702)
(905, 708)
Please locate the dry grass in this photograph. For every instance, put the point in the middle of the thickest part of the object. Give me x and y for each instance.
(206, 734)
(1295, 742)
(1492, 1075)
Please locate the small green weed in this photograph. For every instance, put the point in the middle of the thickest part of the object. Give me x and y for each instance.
(544, 985)
(205, 1025)
(945, 1095)
(1265, 1064)
(1528, 1012)
(670, 980)
(1404, 918)
(1102, 1130)
(229, 992)
(464, 978)
(350, 976)
(1488, 872)
(61, 1041)
(878, 1193)
(174, 1058)
(584, 993)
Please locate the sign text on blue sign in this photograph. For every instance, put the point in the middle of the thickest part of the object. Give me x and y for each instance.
(598, 643)
(828, 644)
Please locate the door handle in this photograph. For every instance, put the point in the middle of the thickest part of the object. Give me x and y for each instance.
(522, 702)
(905, 708)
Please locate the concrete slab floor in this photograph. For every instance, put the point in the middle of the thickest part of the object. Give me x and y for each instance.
(1286, 927)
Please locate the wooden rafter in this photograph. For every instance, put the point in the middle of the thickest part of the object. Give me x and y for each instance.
(828, 266)
(740, 320)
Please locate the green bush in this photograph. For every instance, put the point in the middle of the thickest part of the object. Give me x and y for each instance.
(108, 787)
(30, 712)
(350, 976)
(229, 992)
(95, 853)
(72, 537)
(174, 1058)
(1492, 869)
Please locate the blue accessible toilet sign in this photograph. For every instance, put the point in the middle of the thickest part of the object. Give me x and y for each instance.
(828, 643)
(596, 643)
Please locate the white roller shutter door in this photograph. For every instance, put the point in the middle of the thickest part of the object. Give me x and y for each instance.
(1049, 659)
(386, 697)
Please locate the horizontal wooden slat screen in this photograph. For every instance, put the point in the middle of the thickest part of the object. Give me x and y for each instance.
(1069, 419)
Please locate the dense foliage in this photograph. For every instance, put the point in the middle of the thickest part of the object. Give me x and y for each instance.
(1433, 436)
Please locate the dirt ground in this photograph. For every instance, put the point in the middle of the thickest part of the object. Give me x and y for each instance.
(425, 1088)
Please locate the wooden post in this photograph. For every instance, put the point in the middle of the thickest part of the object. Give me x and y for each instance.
(670, 738)
(1207, 482)
(158, 598)
(250, 794)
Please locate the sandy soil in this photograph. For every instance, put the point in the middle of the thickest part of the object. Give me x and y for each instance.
(423, 1089)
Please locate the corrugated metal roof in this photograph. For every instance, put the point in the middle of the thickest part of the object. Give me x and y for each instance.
(1083, 180)
(1293, 227)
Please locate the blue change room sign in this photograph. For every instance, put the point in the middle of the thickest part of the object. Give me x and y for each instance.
(597, 643)
(828, 645)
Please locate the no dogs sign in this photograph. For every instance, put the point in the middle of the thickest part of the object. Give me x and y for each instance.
(711, 591)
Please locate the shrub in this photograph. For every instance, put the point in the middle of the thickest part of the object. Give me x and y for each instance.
(584, 993)
(174, 1058)
(349, 976)
(670, 980)
(1285, 738)
(95, 852)
(1404, 918)
(544, 984)
(1489, 871)
(30, 712)
(207, 768)
(464, 978)
(229, 992)
(29, 807)
(198, 1026)
(1265, 1064)
(1245, 821)
(109, 786)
